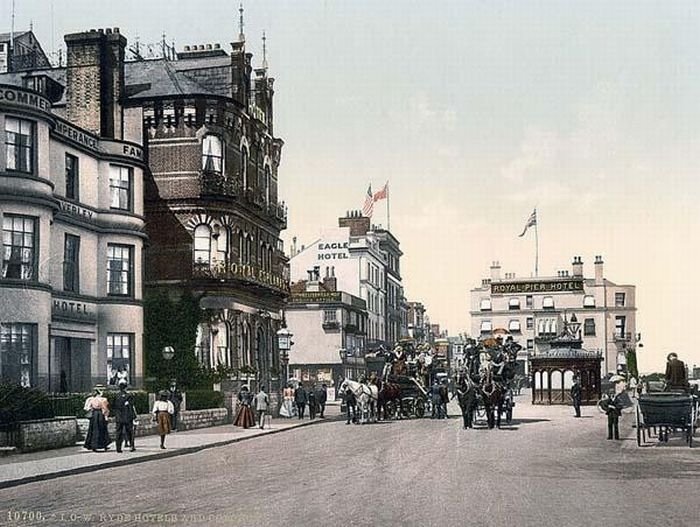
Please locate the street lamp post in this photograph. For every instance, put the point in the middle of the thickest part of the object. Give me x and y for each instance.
(285, 343)
(168, 354)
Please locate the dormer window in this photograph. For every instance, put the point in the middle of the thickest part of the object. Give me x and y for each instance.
(212, 154)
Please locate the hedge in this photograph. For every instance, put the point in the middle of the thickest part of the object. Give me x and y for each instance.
(73, 404)
(204, 399)
(23, 404)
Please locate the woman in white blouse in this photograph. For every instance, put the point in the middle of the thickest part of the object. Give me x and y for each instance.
(162, 413)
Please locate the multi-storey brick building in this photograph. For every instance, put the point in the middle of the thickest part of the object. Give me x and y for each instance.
(212, 206)
(71, 208)
(533, 311)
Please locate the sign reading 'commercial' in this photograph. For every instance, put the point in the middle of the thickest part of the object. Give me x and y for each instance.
(544, 286)
(23, 98)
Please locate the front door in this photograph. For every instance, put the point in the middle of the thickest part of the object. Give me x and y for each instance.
(74, 367)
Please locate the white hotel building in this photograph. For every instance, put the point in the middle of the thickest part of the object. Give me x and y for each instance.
(533, 309)
(351, 253)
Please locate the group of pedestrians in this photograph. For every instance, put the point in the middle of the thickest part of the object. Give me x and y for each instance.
(295, 401)
(314, 399)
(165, 413)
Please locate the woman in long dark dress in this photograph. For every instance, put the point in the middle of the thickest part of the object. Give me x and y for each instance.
(97, 435)
(245, 417)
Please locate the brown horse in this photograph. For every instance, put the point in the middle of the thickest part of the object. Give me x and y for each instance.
(389, 395)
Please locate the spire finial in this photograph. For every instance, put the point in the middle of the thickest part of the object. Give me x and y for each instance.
(264, 50)
(241, 35)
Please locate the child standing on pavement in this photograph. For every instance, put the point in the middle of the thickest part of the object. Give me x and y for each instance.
(162, 413)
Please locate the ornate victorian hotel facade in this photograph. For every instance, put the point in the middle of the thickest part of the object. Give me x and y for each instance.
(72, 218)
(533, 311)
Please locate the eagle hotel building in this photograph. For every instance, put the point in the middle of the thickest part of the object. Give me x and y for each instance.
(71, 210)
(532, 310)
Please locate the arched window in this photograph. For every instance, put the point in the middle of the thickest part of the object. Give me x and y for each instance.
(202, 245)
(269, 258)
(223, 247)
(244, 167)
(267, 185)
(248, 249)
(212, 154)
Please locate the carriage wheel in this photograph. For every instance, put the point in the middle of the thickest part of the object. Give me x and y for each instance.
(389, 410)
(419, 408)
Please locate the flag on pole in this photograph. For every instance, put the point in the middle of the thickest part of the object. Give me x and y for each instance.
(382, 194)
(531, 222)
(368, 207)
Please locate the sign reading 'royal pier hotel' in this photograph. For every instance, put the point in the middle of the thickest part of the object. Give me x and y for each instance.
(543, 286)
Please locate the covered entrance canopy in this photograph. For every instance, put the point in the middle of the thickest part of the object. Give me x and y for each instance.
(553, 371)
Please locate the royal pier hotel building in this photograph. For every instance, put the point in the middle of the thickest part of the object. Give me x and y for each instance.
(533, 310)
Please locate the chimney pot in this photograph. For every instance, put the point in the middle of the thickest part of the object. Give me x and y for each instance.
(116, 30)
(217, 46)
(201, 47)
(93, 31)
(187, 48)
(101, 30)
(108, 30)
(209, 46)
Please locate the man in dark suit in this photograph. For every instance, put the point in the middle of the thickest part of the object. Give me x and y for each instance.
(676, 373)
(300, 399)
(576, 396)
(350, 405)
(321, 398)
(124, 416)
(613, 409)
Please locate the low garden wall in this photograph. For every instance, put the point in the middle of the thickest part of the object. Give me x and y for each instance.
(41, 434)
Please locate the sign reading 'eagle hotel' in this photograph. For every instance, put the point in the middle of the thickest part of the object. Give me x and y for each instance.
(540, 286)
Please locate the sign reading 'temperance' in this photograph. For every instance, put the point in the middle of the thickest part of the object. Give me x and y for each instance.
(545, 286)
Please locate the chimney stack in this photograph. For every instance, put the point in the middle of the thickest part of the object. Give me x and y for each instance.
(359, 224)
(577, 267)
(495, 271)
(598, 270)
(95, 81)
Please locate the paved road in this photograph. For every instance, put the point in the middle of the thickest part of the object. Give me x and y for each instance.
(545, 469)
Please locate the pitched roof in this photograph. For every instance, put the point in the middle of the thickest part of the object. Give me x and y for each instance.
(5, 37)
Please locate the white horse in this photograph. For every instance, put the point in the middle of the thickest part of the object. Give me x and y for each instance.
(366, 396)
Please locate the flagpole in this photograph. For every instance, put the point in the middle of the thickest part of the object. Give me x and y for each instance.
(388, 218)
(537, 247)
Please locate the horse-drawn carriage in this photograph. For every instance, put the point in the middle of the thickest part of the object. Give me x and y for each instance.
(485, 385)
(665, 413)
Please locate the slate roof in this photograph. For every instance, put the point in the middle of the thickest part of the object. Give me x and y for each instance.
(157, 77)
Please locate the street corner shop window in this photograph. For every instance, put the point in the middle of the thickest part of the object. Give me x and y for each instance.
(120, 179)
(19, 144)
(119, 269)
(19, 242)
(212, 154)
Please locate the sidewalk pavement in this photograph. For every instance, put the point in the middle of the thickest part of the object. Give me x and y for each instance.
(19, 469)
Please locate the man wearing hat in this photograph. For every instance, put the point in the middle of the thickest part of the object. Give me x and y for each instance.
(576, 396)
(676, 373)
(124, 416)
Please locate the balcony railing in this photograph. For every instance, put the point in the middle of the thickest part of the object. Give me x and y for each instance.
(246, 273)
(622, 337)
(331, 324)
(217, 183)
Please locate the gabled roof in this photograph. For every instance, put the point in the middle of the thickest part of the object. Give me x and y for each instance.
(5, 37)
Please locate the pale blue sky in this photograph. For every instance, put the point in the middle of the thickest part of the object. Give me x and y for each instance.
(476, 112)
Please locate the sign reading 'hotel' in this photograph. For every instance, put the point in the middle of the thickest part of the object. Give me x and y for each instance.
(543, 286)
